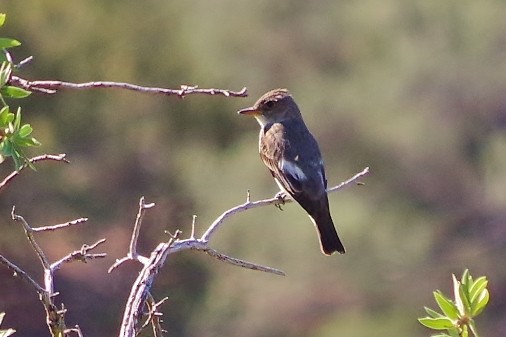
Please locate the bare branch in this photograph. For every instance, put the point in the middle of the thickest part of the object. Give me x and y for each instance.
(353, 179)
(28, 232)
(21, 274)
(62, 225)
(132, 250)
(75, 329)
(271, 201)
(51, 87)
(55, 318)
(243, 263)
(58, 157)
(154, 315)
(140, 291)
(23, 62)
(79, 255)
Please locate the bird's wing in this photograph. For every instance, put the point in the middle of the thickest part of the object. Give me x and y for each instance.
(283, 158)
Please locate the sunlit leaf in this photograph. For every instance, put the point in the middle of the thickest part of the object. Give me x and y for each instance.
(446, 305)
(432, 313)
(27, 142)
(481, 303)
(17, 120)
(6, 117)
(466, 280)
(2, 21)
(442, 323)
(477, 287)
(14, 92)
(456, 294)
(8, 43)
(25, 130)
(464, 297)
(5, 71)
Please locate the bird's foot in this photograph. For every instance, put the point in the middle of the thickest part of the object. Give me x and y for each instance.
(281, 196)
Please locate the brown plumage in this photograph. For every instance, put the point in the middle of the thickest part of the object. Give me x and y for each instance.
(293, 157)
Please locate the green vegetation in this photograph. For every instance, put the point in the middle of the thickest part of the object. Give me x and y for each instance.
(14, 136)
(458, 316)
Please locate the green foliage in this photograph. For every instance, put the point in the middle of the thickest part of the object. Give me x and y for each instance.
(14, 136)
(6, 332)
(471, 297)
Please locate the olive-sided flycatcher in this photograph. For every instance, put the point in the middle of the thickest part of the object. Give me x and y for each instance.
(292, 155)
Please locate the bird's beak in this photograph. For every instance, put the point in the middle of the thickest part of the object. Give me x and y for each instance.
(251, 111)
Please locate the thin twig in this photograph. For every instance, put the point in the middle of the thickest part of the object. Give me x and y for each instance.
(28, 232)
(137, 227)
(265, 202)
(62, 225)
(79, 255)
(154, 315)
(54, 157)
(21, 274)
(51, 87)
(349, 181)
(242, 263)
(132, 248)
(75, 329)
(23, 62)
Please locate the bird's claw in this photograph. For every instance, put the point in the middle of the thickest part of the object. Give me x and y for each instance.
(281, 196)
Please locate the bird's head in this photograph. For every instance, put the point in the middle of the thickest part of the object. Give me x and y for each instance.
(275, 106)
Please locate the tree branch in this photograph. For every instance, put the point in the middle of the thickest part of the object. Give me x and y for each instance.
(271, 201)
(141, 288)
(51, 87)
(14, 174)
(55, 318)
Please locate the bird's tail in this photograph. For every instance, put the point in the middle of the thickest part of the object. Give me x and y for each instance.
(329, 240)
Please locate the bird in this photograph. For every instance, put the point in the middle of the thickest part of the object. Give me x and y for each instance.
(292, 155)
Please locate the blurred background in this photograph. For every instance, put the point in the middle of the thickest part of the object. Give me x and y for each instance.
(413, 89)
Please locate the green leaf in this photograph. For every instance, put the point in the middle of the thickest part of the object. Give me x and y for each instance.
(8, 43)
(436, 323)
(464, 297)
(481, 303)
(17, 120)
(2, 21)
(15, 92)
(467, 282)
(458, 299)
(442, 334)
(5, 117)
(446, 305)
(477, 287)
(26, 142)
(454, 332)
(432, 313)
(5, 72)
(6, 148)
(25, 131)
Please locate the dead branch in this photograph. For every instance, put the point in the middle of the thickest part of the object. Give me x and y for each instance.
(55, 318)
(51, 87)
(141, 288)
(53, 157)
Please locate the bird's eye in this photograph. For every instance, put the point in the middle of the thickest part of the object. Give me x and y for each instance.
(269, 104)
